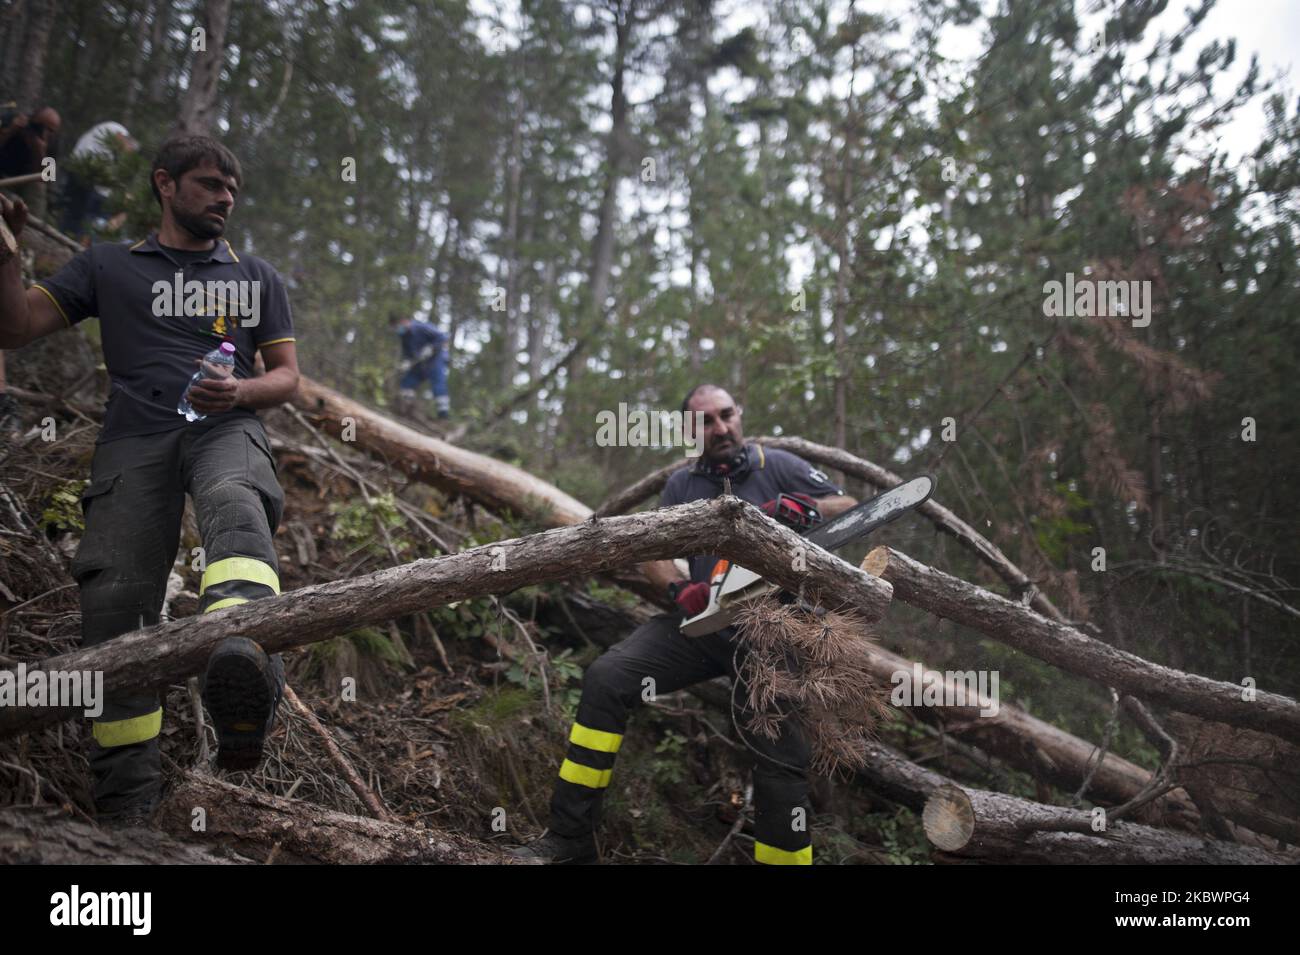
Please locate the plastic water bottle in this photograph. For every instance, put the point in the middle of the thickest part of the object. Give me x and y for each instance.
(218, 363)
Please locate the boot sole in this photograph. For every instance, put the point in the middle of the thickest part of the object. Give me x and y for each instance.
(239, 701)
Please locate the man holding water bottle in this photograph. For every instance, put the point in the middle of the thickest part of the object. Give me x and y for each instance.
(163, 303)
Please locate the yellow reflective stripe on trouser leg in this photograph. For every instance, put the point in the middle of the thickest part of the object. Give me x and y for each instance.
(598, 740)
(227, 602)
(584, 775)
(771, 855)
(240, 568)
(137, 729)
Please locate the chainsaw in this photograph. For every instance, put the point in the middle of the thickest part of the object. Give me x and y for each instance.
(730, 584)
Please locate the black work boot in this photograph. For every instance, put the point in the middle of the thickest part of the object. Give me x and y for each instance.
(130, 815)
(241, 689)
(555, 849)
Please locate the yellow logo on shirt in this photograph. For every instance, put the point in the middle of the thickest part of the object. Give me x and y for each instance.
(215, 323)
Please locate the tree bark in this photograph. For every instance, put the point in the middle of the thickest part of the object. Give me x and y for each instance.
(256, 824)
(1067, 648)
(494, 484)
(171, 652)
(48, 836)
(1044, 751)
(973, 825)
(40, 21)
(13, 17)
(882, 478)
(199, 109)
(602, 258)
(976, 825)
(942, 518)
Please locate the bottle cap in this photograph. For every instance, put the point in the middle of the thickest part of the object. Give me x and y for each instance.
(227, 348)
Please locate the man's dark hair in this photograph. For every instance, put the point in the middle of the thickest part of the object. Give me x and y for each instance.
(179, 154)
(686, 402)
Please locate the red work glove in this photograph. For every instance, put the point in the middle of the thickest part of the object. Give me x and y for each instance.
(794, 510)
(692, 598)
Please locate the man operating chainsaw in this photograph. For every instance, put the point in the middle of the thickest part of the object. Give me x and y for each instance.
(658, 658)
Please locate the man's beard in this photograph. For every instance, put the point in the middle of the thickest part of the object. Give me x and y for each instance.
(199, 225)
(718, 453)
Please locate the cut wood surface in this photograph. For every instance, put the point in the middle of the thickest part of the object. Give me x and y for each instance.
(169, 652)
(273, 828)
(1008, 622)
(977, 825)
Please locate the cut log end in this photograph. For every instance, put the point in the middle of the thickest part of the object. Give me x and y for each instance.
(876, 561)
(948, 818)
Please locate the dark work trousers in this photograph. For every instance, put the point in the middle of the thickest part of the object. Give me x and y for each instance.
(133, 508)
(654, 660)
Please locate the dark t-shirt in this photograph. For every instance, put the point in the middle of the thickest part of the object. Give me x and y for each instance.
(184, 257)
(772, 472)
(150, 356)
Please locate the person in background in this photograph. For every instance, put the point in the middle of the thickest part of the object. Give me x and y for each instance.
(424, 349)
(84, 198)
(25, 142)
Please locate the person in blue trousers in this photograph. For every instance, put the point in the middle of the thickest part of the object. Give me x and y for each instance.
(424, 354)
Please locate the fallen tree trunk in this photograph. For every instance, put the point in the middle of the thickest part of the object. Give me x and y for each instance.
(976, 825)
(881, 478)
(492, 483)
(273, 828)
(1044, 751)
(946, 596)
(495, 484)
(942, 518)
(47, 836)
(973, 825)
(169, 652)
